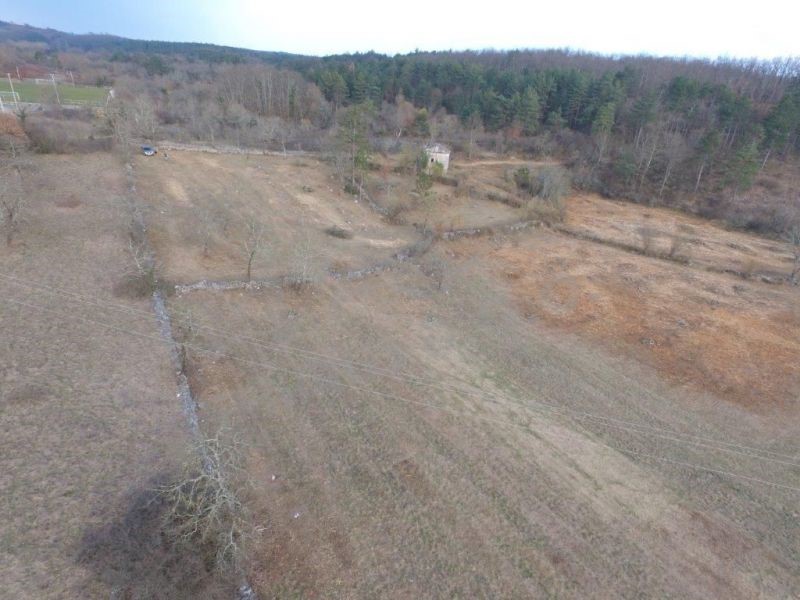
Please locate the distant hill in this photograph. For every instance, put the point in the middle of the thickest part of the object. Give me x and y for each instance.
(97, 42)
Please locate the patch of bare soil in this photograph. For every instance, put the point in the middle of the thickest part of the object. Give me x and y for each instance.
(68, 202)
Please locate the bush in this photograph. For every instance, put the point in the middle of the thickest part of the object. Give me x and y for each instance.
(547, 212)
(10, 125)
(338, 232)
(676, 248)
(394, 213)
(549, 185)
(444, 180)
(552, 183)
(522, 177)
(56, 136)
(648, 236)
(351, 189)
(205, 512)
(507, 200)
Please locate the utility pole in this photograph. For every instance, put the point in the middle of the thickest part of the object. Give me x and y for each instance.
(55, 87)
(13, 93)
(18, 75)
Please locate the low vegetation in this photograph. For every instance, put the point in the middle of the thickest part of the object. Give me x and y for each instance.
(339, 232)
(60, 135)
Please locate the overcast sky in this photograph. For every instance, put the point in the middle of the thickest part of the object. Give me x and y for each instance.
(764, 29)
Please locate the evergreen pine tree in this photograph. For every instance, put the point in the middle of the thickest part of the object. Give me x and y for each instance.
(743, 166)
(529, 111)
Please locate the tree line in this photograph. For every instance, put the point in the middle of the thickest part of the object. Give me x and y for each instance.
(647, 128)
(683, 128)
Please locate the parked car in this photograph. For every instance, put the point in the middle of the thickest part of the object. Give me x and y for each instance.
(149, 150)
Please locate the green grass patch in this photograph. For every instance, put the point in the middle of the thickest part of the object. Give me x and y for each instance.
(29, 91)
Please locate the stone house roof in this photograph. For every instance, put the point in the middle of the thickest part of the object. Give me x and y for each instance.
(437, 149)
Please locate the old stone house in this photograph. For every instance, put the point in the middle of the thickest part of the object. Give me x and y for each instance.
(438, 154)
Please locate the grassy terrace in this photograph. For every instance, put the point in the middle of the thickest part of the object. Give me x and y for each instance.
(30, 91)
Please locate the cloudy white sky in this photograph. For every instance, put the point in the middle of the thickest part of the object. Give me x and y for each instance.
(764, 29)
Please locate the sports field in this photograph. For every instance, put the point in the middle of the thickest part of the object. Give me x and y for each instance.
(30, 91)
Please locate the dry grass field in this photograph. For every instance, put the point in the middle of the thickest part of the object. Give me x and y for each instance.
(565, 412)
(87, 394)
(734, 336)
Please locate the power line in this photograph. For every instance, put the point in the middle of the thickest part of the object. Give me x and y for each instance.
(390, 396)
(607, 421)
(475, 392)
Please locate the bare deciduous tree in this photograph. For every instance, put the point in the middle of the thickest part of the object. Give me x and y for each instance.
(253, 243)
(12, 200)
(144, 118)
(208, 224)
(648, 236)
(674, 151)
(276, 130)
(793, 237)
(118, 120)
(204, 508)
(676, 248)
(435, 269)
(302, 273)
(144, 264)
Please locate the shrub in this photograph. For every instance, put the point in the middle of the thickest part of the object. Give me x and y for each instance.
(676, 248)
(350, 188)
(444, 180)
(549, 185)
(205, 512)
(338, 232)
(547, 212)
(144, 276)
(394, 213)
(522, 177)
(792, 237)
(10, 125)
(648, 236)
(297, 282)
(552, 183)
(463, 187)
(59, 136)
(507, 200)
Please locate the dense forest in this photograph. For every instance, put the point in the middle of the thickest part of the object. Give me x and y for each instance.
(638, 127)
(719, 137)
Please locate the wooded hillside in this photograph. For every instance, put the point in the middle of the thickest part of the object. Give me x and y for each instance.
(691, 133)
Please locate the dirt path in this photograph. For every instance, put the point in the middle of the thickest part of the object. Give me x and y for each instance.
(467, 164)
